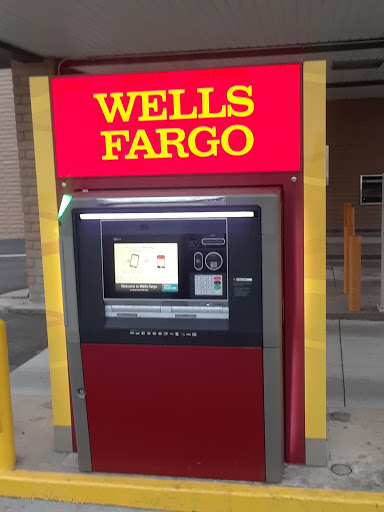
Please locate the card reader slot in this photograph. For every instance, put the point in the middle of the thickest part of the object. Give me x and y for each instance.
(133, 309)
(213, 241)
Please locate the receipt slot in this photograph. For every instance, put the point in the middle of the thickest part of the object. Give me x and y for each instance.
(173, 314)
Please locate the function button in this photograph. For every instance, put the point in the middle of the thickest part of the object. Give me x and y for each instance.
(198, 260)
(213, 261)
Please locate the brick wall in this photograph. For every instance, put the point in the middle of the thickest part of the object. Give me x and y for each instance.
(11, 212)
(355, 134)
(20, 75)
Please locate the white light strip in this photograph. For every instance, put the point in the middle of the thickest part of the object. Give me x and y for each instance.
(160, 199)
(164, 215)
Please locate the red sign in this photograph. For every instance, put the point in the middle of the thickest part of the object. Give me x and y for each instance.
(233, 120)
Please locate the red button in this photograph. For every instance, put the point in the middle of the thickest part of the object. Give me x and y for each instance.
(217, 278)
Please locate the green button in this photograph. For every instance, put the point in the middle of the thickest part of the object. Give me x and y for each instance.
(217, 286)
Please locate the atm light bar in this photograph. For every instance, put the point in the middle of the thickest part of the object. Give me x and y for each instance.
(164, 215)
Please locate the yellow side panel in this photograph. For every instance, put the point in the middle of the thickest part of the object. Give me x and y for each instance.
(314, 97)
(49, 229)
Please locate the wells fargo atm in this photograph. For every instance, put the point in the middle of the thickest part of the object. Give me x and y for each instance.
(181, 245)
(175, 365)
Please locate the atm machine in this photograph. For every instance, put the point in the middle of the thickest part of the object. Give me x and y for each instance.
(173, 314)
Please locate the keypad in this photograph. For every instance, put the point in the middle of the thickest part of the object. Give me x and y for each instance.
(206, 284)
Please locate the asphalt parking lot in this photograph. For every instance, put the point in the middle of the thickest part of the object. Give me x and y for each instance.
(13, 268)
(26, 332)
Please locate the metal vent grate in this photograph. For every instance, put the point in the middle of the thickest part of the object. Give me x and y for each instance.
(349, 65)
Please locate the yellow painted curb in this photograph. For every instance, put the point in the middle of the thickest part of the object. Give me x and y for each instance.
(182, 495)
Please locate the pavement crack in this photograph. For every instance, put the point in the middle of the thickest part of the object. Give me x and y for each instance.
(334, 278)
(342, 363)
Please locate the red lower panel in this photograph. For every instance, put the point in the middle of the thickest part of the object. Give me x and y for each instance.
(176, 411)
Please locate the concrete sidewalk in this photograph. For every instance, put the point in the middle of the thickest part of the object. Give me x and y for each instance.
(337, 301)
(18, 505)
(370, 246)
(18, 300)
(355, 364)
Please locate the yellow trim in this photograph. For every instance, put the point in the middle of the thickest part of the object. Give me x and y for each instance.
(46, 188)
(182, 495)
(314, 98)
(7, 444)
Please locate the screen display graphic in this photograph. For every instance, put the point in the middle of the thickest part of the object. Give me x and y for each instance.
(146, 267)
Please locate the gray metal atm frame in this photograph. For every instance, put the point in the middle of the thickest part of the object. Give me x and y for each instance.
(269, 201)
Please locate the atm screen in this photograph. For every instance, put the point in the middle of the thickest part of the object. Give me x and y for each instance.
(166, 260)
(191, 280)
(146, 267)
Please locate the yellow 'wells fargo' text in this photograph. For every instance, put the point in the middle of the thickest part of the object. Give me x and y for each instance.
(161, 105)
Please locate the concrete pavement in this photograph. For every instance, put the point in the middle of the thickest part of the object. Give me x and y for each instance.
(17, 505)
(337, 301)
(355, 364)
(370, 246)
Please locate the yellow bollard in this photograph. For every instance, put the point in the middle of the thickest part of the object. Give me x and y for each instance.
(349, 230)
(354, 273)
(347, 206)
(7, 443)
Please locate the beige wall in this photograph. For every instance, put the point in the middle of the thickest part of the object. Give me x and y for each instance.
(11, 212)
(355, 134)
(21, 74)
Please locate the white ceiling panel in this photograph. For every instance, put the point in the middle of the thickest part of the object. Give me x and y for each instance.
(86, 28)
(83, 29)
